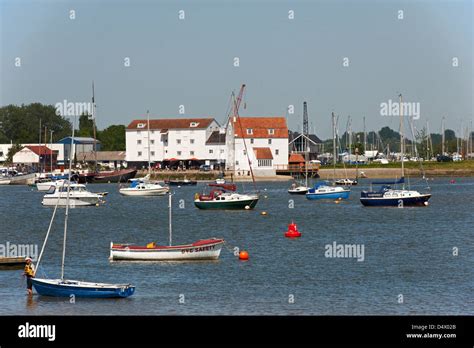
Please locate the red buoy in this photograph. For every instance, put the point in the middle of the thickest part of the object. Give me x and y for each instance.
(292, 231)
(243, 255)
(452, 181)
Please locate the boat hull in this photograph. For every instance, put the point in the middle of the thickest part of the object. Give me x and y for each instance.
(201, 250)
(298, 191)
(73, 201)
(224, 205)
(114, 177)
(180, 183)
(331, 195)
(144, 192)
(395, 202)
(67, 288)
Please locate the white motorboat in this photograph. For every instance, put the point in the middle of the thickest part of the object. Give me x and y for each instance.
(297, 189)
(141, 187)
(78, 196)
(220, 181)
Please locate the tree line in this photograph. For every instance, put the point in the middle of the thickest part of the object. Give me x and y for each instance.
(21, 125)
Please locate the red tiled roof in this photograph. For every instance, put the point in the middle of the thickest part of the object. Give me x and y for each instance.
(263, 153)
(260, 127)
(172, 123)
(40, 150)
(296, 158)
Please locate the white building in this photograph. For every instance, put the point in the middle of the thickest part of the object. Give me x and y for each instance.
(58, 148)
(266, 140)
(183, 139)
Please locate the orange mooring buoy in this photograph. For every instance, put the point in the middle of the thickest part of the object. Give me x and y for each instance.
(292, 231)
(243, 255)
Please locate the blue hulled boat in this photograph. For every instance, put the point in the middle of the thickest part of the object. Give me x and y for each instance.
(66, 288)
(323, 191)
(63, 287)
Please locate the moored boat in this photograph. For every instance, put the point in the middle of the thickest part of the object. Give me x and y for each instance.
(220, 198)
(67, 288)
(184, 182)
(297, 189)
(72, 195)
(388, 197)
(115, 176)
(346, 182)
(141, 187)
(206, 249)
(323, 191)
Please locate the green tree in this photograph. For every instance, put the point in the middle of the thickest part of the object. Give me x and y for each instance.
(20, 124)
(86, 126)
(113, 138)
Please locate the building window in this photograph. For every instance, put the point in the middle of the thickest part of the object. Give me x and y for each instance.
(251, 141)
(1, 153)
(152, 132)
(139, 142)
(194, 124)
(236, 163)
(166, 151)
(264, 162)
(178, 141)
(152, 153)
(191, 141)
(139, 132)
(211, 151)
(191, 153)
(271, 131)
(152, 142)
(277, 152)
(249, 131)
(179, 153)
(269, 141)
(245, 153)
(222, 150)
(139, 154)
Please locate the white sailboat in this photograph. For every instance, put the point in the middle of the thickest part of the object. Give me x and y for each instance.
(207, 249)
(143, 186)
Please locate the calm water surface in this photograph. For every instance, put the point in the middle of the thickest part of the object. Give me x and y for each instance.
(407, 251)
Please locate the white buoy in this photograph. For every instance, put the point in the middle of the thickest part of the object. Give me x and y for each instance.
(426, 203)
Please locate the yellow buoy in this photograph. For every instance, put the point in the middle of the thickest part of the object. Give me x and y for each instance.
(263, 213)
(337, 202)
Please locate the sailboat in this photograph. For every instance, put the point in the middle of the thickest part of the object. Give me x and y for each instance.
(221, 197)
(62, 287)
(206, 249)
(145, 187)
(323, 190)
(389, 197)
(296, 189)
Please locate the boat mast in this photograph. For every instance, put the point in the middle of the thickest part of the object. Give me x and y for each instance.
(402, 147)
(365, 138)
(237, 105)
(170, 220)
(51, 152)
(71, 156)
(94, 129)
(148, 136)
(442, 137)
(334, 143)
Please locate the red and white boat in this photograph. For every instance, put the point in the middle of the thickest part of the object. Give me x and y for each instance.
(205, 249)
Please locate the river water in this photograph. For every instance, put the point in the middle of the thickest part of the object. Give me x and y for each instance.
(409, 265)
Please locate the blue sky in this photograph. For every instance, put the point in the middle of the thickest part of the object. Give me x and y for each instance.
(283, 62)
